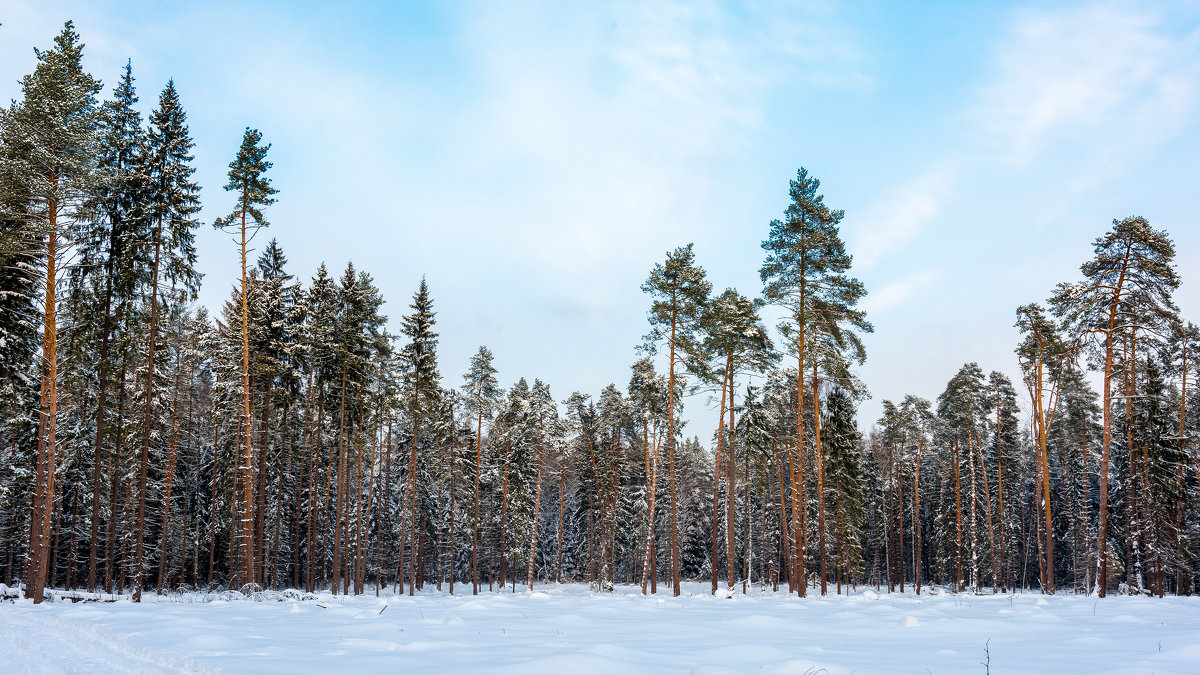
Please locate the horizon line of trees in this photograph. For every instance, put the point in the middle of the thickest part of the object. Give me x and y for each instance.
(292, 441)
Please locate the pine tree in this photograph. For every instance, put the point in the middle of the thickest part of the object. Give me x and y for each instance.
(1042, 354)
(1128, 282)
(648, 400)
(49, 163)
(918, 419)
(680, 292)
(734, 335)
(805, 273)
(247, 178)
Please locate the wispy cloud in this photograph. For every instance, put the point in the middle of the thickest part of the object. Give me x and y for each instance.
(1090, 84)
(897, 293)
(621, 120)
(1112, 69)
(899, 216)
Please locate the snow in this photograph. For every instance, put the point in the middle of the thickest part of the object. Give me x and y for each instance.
(571, 629)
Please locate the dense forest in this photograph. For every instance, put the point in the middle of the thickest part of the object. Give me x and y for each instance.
(288, 439)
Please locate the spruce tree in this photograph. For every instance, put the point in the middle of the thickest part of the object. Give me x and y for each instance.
(357, 343)
(482, 396)
(20, 319)
(548, 431)
(115, 251)
(1185, 363)
(960, 407)
(421, 384)
(321, 342)
(275, 371)
(1006, 447)
(1155, 477)
(172, 201)
(512, 445)
(582, 420)
(846, 485)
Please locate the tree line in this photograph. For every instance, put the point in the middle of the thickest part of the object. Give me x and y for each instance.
(291, 440)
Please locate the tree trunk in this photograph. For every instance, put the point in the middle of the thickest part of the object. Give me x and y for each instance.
(247, 514)
(475, 527)
(412, 496)
(821, 489)
(731, 492)
(504, 514)
(110, 536)
(452, 486)
(1000, 500)
(101, 400)
(537, 509)
(916, 517)
(147, 421)
(958, 571)
(1102, 534)
(43, 491)
(671, 451)
(342, 487)
(562, 487)
(717, 469)
(169, 480)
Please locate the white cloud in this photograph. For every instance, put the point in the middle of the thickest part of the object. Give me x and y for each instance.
(1097, 83)
(899, 216)
(623, 114)
(1102, 69)
(897, 293)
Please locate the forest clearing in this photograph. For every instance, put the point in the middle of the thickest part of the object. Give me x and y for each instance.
(569, 629)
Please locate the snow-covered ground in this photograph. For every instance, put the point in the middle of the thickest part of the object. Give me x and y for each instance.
(569, 629)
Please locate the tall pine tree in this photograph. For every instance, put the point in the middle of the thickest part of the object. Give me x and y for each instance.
(48, 172)
(248, 180)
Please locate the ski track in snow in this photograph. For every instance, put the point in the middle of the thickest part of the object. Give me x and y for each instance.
(569, 629)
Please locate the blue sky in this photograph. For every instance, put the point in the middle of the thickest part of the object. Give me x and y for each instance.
(534, 160)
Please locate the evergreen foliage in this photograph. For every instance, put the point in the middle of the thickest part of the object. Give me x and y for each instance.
(290, 440)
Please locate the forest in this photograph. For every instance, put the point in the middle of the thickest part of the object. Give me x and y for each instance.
(289, 439)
